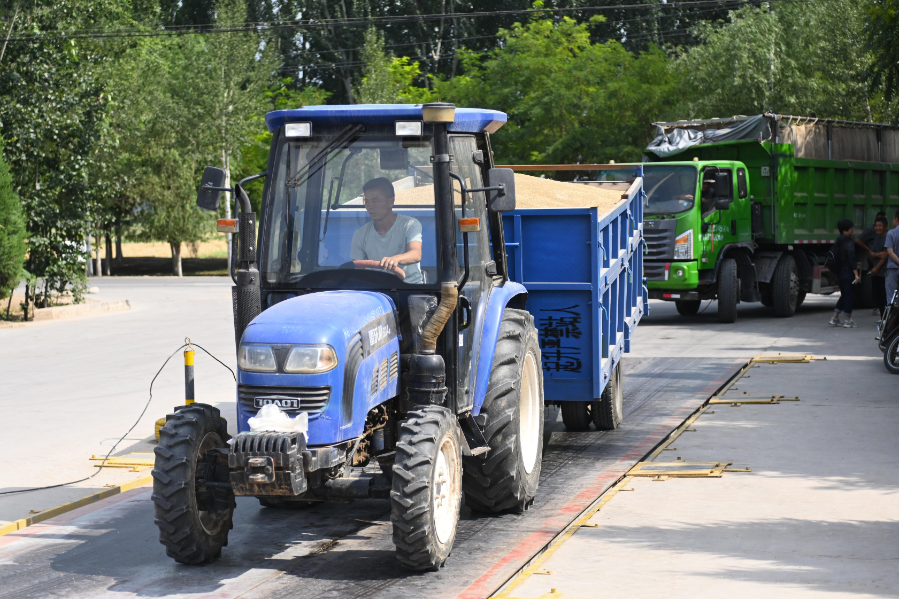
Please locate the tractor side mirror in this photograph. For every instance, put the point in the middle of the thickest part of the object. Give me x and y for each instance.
(504, 199)
(211, 188)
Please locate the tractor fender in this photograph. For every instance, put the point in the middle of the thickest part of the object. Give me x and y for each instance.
(508, 295)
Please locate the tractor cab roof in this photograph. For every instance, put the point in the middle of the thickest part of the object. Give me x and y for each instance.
(468, 120)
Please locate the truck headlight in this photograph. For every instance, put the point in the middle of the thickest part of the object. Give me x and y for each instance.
(257, 358)
(310, 358)
(684, 245)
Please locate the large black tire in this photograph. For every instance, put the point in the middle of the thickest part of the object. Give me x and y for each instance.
(729, 290)
(193, 520)
(687, 307)
(608, 412)
(890, 356)
(506, 477)
(427, 488)
(576, 415)
(785, 287)
(765, 293)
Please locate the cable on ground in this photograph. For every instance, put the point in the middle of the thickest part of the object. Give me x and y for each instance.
(122, 438)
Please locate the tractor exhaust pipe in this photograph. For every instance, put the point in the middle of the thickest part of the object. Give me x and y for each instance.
(427, 370)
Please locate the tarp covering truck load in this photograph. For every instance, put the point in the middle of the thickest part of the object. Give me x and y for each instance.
(745, 209)
(397, 298)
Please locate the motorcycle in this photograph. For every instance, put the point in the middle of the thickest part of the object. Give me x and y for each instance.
(888, 335)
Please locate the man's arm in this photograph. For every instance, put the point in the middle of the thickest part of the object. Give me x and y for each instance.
(412, 255)
(892, 255)
(877, 267)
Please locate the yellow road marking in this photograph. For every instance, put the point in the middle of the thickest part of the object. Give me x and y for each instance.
(74, 505)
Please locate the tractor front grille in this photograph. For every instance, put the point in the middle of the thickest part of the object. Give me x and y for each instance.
(655, 271)
(289, 399)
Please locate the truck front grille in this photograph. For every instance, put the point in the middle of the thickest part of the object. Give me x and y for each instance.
(289, 399)
(659, 235)
(655, 272)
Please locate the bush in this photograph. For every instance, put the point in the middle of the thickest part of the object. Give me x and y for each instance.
(12, 233)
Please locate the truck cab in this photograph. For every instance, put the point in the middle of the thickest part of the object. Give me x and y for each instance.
(693, 210)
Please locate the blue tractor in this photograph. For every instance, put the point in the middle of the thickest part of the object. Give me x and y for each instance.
(376, 299)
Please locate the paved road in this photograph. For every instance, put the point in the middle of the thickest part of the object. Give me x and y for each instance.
(85, 380)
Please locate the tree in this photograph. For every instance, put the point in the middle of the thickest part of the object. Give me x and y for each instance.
(52, 110)
(568, 99)
(377, 85)
(882, 34)
(12, 233)
(241, 69)
(793, 58)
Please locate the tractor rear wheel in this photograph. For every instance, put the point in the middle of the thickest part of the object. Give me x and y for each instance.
(427, 488)
(193, 519)
(607, 412)
(506, 477)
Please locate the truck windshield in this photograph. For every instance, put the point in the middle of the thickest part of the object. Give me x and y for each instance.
(670, 189)
(351, 199)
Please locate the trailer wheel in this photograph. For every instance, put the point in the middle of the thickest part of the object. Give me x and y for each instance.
(506, 477)
(890, 356)
(193, 519)
(728, 291)
(785, 287)
(427, 488)
(608, 411)
(576, 415)
(687, 307)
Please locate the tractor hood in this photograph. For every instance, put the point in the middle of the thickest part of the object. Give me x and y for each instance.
(331, 317)
(361, 326)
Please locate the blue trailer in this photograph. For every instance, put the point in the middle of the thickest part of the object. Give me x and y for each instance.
(380, 301)
(583, 269)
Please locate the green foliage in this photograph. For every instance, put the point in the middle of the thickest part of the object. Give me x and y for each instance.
(12, 233)
(882, 35)
(568, 99)
(793, 58)
(387, 79)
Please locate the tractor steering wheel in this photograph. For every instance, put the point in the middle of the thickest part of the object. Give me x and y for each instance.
(374, 265)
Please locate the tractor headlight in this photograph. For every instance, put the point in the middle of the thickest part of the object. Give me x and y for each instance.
(684, 245)
(257, 358)
(308, 359)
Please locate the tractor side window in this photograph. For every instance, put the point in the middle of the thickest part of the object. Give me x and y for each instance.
(742, 183)
(462, 148)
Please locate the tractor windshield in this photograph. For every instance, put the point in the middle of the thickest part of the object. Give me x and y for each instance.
(353, 198)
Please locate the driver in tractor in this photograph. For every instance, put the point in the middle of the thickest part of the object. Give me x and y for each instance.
(389, 241)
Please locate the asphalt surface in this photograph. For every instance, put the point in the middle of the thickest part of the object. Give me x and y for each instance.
(79, 384)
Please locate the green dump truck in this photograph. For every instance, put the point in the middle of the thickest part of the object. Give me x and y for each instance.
(745, 209)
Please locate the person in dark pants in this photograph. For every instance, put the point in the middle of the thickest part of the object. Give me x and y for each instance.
(848, 274)
(874, 245)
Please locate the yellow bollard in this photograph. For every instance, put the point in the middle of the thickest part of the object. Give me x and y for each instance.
(188, 383)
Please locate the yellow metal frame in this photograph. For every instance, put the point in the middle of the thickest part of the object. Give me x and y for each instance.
(126, 461)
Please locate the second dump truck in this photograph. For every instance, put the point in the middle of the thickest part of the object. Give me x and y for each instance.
(744, 209)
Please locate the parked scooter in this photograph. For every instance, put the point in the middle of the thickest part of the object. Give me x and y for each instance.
(888, 335)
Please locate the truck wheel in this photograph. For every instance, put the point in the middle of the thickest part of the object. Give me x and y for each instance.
(728, 291)
(785, 287)
(506, 477)
(801, 295)
(576, 415)
(193, 520)
(890, 356)
(687, 307)
(427, 488)
(765, 294)
(607, 412)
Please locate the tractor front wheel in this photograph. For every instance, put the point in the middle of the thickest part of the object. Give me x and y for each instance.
(193, 518)
(427, 488)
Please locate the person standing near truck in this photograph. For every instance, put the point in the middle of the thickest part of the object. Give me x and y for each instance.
(847, 272)
(873, 240)
(893, 263)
